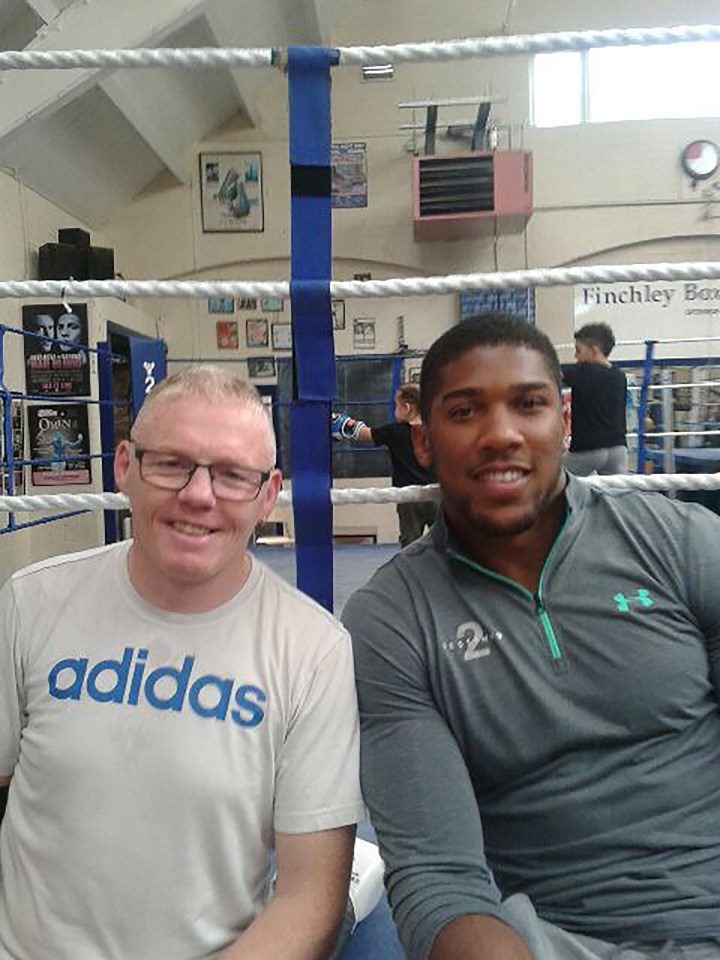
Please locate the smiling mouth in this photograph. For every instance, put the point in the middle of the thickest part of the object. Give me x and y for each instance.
(510, 475)
(191, 529)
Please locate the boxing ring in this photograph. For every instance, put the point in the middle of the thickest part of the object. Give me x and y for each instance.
(310, 289)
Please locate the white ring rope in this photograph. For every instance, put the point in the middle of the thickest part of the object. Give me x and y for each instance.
(524, 44)
(662, 482)
(403, 287)
(198, 58)
(678, 386)
(204, 58)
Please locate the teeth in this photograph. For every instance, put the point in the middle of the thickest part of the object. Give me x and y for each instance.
(502, 476)
(192, 529)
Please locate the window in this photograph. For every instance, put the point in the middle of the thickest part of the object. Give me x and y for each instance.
(626, 83)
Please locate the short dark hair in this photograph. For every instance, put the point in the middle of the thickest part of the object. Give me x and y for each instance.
(409, 393)
(598, 335)
(483, 330)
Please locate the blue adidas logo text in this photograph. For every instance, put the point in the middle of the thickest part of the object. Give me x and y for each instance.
(164, 688)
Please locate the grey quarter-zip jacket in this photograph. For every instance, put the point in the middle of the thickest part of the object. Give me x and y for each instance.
(566, 744)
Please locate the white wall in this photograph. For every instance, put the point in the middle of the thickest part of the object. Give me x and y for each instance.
(28, 222)
(610, 193)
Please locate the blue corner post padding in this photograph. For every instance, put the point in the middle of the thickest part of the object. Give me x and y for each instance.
(313, 348)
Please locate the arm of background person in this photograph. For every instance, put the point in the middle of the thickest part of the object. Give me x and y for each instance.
(420, 796)
(302, 920)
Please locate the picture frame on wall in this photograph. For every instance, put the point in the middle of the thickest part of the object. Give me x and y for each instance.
(256, 332)
(282, 336)
(221, 305)
(261, 368)
(411, 374)
(338, 314)
(247, 303)
(364, 333)
(226, 333)
(13, 482)
(55, 343)
(231, 195)
(272, 304)
(349, 175)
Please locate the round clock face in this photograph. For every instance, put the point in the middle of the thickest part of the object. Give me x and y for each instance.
(700, 159)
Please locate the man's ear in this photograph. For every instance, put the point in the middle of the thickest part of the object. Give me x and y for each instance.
(421, 444)
(566, 402)
(274, 485)
(122, 465)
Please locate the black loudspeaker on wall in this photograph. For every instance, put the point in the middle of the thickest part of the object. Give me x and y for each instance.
(60, 261)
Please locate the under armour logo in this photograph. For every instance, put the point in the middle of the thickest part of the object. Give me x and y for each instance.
(642, 598)
(472, 641)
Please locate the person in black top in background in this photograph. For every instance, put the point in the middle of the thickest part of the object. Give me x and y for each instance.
(599, 390)
(406, 471)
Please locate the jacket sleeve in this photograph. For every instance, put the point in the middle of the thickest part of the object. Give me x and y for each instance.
(415, 781)
(702, 577)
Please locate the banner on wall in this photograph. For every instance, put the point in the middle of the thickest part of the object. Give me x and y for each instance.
(57, 432)
(653, 310)
(56, 369)
(517, 301)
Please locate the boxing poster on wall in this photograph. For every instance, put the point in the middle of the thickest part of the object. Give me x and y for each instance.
(58, 437)
(56, 365)
(231, 192)
(226, 334)
(349, 175)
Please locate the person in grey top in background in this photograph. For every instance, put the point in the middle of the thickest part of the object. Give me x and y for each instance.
(538, 683)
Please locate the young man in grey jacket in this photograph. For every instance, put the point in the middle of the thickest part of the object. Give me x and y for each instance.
(539, 680)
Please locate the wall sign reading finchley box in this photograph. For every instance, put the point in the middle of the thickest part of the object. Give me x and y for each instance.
(653, 310)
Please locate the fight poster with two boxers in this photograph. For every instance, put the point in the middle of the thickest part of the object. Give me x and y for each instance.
(57, 367)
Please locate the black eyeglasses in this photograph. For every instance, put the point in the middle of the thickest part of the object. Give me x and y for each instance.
(230, 481)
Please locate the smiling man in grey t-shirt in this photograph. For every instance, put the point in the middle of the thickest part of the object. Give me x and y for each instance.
(538, 681)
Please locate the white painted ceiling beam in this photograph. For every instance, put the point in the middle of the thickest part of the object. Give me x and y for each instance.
(95, 24)
(318, 28)
(47, 10)
(126, 94)
(246, 81)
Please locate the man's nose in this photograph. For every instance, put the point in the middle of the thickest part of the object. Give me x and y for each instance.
(199, 488)
(501, 428)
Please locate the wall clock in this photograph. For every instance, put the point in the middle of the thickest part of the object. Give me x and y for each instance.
(700, 159)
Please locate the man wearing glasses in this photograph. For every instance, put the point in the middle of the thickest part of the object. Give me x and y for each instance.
(171, 712)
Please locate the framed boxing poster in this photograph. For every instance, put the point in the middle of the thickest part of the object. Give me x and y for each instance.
(226, 334)
(56, 354)
(338, 314)
(364, 333)
(261, 368)
(17, 439)
(282, 336)
(60, 444)
(256, 332)
(231, 196)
